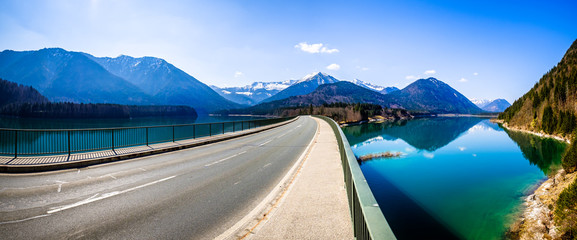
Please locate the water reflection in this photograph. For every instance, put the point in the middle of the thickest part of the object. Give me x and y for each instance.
(463, 177)
(427, 134)
(546, 153)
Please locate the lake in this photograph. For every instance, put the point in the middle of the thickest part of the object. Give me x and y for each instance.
(39, 123)
(457, 177)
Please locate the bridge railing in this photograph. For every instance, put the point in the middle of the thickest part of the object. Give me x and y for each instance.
(366, 215)
(32, 142)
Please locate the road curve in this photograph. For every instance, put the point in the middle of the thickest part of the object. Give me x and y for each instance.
(190, 194)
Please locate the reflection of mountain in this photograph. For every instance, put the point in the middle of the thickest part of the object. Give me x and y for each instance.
(489, 124)
(543, 152)
(424, 134)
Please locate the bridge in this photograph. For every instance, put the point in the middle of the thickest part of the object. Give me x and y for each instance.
(231, 186)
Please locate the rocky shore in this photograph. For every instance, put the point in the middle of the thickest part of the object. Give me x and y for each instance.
(536, 222)
(537, 219)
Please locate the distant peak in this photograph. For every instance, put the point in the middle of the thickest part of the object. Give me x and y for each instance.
(313, 75)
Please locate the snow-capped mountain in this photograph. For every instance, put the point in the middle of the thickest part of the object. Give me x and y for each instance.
(253, 93)
(366, 85)
(481, 102)
(304, 86)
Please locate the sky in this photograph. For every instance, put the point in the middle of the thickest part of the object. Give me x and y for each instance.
(484, 49)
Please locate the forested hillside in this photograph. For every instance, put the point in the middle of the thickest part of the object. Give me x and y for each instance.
(551, 104)
(11, 92)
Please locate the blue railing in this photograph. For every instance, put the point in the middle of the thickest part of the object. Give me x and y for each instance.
(32, 142)
(366, 215)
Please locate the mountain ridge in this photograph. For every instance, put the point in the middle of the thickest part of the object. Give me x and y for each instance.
(67, 76)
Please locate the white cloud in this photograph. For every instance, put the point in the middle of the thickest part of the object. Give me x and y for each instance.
(334, 67)
(430, 72)
(476, 73)
(362, 68)
(428, 155)
(411, 77)
(238, 74)
(463, 80)
(462, 148)
(315, 48)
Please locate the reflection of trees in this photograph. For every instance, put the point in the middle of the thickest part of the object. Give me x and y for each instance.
(424, 133)
(543, 152)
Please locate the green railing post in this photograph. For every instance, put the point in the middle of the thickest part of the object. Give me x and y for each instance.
(113, 140)
(222, 127)
(173, 133)
(194, 131)
(15, 143)
(147, 136)
(210, 129)
(69, 144)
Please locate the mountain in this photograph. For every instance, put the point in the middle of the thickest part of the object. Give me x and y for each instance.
(481, 102)
(339, 92)
(14, 93)
(497, 105)
(366, 85)
(432, 96)
(68, 76)
(424, 96)
(62, 75)
(304, 86)
(550, 105)
(166, 83)
(253, 93)
(388, 90)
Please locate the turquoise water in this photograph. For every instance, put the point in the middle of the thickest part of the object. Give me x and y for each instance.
(38, 123)
(460, 178)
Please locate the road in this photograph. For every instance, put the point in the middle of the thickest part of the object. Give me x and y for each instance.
(191, 194)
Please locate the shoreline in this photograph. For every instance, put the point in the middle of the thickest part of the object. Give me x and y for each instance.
(539, 134)
(536, 221)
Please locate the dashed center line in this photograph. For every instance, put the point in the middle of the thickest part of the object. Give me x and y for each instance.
(224, 159)
(262, 144)
(104, 196)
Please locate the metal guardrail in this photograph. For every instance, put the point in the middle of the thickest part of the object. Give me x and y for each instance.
(366, 215)
(31, 142)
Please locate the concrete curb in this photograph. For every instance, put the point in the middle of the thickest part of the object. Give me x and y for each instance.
(95, 161)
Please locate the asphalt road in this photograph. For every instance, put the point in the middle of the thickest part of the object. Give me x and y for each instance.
(191, 194)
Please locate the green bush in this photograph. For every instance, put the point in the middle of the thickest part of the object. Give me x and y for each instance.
(566, 211)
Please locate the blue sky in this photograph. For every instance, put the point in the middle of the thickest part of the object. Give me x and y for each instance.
(484, 49)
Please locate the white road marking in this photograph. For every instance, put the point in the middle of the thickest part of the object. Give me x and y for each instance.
(104, 196)
(25, 219)
(224, 159)
(262, 144)
(59, 187)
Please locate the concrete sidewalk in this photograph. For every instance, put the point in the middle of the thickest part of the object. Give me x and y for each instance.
(315, 206)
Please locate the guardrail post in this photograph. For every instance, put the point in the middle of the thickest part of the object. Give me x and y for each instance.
(146, 136)
(222, 127)
(233, 126)
(172, 133)
(113, 140)
(193, 131)
(15, 143)
(68, 144)
(210, 129)
(242, 125)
